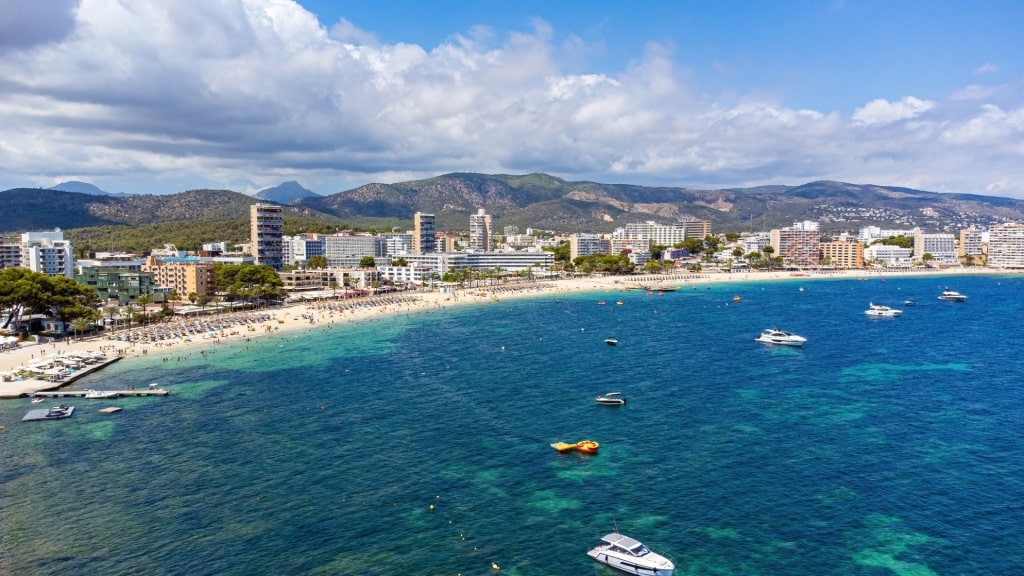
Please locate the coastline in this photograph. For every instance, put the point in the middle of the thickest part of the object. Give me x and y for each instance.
(218, 329)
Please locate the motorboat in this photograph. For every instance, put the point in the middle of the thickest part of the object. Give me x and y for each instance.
(91, 394)
(780, 337)
(611, 341)
(58, 412)
(630, 556)
(952, 296)
(612, 399)
(37, 399)
(587, 446)
(908, 302)
(879, 310)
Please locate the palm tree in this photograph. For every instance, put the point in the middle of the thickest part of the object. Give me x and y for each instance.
(111, 310)
(143, 299)
(80, 324)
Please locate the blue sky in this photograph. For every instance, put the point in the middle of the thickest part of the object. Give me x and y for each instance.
(154, 97)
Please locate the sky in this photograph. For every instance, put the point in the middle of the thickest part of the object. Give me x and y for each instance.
(156, 97)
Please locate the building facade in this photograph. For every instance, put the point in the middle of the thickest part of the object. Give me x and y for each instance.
(423, 232)
(48, 253)
(267, 235)
(1006, 245)
(480, 231)
(843, 254)
(185, 278)
(799, 246)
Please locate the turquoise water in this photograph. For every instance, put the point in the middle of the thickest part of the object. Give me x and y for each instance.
(418, 444)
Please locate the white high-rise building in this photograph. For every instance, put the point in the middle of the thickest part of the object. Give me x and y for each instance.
(48, 252)
(1006, 245)
(480, 231)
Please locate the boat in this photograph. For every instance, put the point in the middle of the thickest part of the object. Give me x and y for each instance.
(38, 399)
(91, 394)
(611, 341)
(879, 310)
(952, 296)
(587, 446)
(630, 556)
(563, 446)
(780, 337)
(908, 302)
(612, 399)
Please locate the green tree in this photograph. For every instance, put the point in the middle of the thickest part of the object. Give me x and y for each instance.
(316, 262)
(367, 262)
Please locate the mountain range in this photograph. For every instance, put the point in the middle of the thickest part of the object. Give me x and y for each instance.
(538, 201)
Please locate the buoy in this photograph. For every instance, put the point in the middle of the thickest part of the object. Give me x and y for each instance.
(431, 507)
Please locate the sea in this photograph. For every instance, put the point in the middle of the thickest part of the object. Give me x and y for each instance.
(419, 443)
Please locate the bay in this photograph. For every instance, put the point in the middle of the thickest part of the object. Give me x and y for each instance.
(419, 443)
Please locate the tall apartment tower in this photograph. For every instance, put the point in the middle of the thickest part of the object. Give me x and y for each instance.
(267, 235)
(423, 241)
(480, 231)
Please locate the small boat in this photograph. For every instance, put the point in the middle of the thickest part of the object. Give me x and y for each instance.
(611, 341)
(563, 446)
(91, 394)
(600, 302)
(630, 556)
(908, 302)
(38, 399)
(780, 337)
(736, 298)
(58, 412)
(612, 399)
(879, 310)
(587, 446)
(952, 296)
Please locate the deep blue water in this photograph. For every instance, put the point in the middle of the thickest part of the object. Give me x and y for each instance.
(885, 446)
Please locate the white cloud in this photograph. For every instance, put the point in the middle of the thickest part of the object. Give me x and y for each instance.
(243, 94)
(882, 111)
(986, 68)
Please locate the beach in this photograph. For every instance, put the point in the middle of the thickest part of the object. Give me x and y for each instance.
(178, 337)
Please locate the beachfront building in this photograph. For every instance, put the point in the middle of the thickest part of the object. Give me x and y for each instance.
(266, 223)
(941, 246)
(10, 255)
(480, 231)
(971, 248)
(186, 276)
(48, 253)
(125, 286)
(119, 260)
(889, 256)
(869, 234)
(423, 231)
(798, 245)
(298, 249)
(843, 253)
(1006, 245)
(587, 244)
(340, 279)
(396, 242)
(511, 261)
(345, 250)
(662, 234)
(447, 242)
(413, 274)
(633, 245)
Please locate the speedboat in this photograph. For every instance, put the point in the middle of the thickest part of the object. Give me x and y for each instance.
(612, 399)
(908, 302)
(630, 556)
(879, 310)
(91, 394)
(62, 411)
(952, 296)
(780, 337)
(611, 341)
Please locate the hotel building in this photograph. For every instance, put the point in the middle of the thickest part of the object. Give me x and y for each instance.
(480, 231)
(267, 234)
(1006, 245)
(48, 253)
(423, 234)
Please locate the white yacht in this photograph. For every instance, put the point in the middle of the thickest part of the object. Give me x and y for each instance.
(879, 310)
(91, 394)
(780, 337)
(952, 296)
(630, 556)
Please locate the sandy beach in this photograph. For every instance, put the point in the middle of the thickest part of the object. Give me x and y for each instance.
(175, 337)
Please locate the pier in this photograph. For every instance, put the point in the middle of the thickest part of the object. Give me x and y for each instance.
(110, 393)
(45, 382)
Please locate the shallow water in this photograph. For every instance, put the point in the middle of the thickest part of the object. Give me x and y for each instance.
(418, 444)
